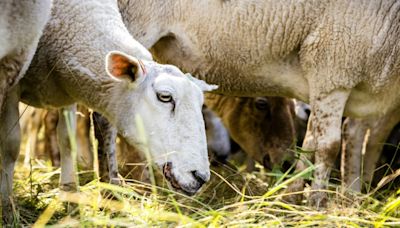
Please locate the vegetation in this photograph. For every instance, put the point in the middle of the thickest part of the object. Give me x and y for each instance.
(231, 199)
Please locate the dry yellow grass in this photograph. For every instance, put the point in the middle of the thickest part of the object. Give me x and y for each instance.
(231, 199)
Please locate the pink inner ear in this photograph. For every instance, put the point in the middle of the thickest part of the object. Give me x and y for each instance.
(119, 66)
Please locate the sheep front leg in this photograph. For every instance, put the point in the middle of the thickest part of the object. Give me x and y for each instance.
(67, 180)
(106, 135)
(308, 147)
(326, 131)
(10, 138)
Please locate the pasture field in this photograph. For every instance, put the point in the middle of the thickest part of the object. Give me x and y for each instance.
(231, 199)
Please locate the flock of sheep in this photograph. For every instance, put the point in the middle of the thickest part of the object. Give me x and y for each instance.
(342, 57)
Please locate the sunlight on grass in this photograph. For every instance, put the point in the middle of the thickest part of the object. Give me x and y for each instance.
(231, 198)
(226, 202)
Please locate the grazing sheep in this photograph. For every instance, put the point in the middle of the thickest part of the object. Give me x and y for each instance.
(263, 126)
(341, 57)
(21, 25)
(253, 127)
(69, 67)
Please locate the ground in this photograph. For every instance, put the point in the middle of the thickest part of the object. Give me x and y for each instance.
(232, 198)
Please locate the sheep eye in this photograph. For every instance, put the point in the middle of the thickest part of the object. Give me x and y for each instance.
(261, 104)
(164, 97)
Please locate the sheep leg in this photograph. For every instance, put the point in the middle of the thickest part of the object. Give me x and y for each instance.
(10, 138)
(326, 130)
(106, 135)
(354, 132)
(33, 128)
(308, 147)
(67, 180)
(50, 128)
(379, 132)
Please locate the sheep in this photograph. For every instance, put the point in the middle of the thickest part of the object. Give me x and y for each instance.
(263, 127)
(341, 57)
(21, 25)
(242, 116)
(69, 68)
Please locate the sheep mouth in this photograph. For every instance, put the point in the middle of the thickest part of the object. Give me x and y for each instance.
(167, 172)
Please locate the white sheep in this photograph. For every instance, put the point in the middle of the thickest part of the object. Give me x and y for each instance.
(21, 25)
(68, 68)
(341, 57)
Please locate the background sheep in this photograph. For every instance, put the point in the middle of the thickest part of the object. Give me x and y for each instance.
(263, 127)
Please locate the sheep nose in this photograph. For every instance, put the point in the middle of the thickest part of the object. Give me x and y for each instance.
(286, 165)
(201, 178)
(267, 162)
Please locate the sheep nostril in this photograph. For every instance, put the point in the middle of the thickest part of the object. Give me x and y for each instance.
(199, 177)
(167, 170)
(267, 162)
(286, 166)
(308, 112)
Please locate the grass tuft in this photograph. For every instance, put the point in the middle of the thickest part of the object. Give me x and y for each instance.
(230, 199)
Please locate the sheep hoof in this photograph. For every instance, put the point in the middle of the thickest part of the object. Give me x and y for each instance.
(10, 216)
(116, 181)
(293, 198)
(319, 200)
(294, 192)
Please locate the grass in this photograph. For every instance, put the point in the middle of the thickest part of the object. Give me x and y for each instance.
(231, 199)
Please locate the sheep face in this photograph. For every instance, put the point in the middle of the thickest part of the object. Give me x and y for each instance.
(168, 105)
(264, 128)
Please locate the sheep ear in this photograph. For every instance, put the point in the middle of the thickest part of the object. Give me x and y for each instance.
(122, 66)
(201, 84)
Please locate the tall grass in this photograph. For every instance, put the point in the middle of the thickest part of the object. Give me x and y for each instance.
(230, 199)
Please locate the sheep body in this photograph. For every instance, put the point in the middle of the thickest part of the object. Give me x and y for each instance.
(341, 57)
